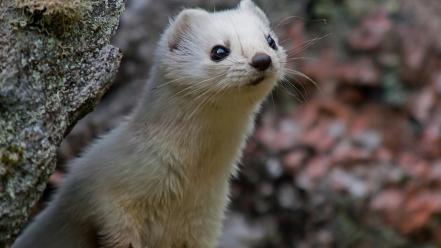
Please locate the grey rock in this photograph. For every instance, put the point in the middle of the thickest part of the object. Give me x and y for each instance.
(54, 69)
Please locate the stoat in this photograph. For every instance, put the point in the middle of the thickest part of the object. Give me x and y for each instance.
(161, 179)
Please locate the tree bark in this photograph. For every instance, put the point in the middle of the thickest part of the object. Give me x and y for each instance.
(55, 64)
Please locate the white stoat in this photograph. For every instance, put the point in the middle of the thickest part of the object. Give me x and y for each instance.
(161, 179)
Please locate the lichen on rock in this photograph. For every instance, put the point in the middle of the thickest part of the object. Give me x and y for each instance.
(72, 9)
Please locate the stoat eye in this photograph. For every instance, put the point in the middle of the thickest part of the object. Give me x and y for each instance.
(271, 42)
(219, 53)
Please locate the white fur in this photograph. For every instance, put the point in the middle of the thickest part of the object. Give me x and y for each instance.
(160, 180)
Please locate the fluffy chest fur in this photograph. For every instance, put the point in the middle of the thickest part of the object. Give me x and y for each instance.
(174, 177)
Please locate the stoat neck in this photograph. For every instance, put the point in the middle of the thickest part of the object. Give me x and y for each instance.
(207, 139)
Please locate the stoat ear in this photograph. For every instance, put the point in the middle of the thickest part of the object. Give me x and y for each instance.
(249, 5)
(181, 26)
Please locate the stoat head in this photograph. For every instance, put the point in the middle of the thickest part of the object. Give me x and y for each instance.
(221, 55)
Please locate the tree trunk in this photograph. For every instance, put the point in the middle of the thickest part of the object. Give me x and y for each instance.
(55, 64)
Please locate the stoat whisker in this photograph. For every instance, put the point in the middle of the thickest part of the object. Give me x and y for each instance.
(285, 20)
(289, 59)
(305, 45)
(273, 101)
(293, 17)
(297, 93)
(199, 85)
(206, 99)
(200, 92)
(303, 92)
(298, 73)
(208, 95)
(183, 78)
(170, 82)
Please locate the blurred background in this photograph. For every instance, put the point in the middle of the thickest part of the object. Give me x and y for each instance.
(345, 154)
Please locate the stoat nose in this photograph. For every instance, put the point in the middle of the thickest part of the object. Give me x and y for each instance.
(261, 61)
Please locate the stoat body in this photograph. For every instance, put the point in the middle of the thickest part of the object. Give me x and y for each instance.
(161, 179)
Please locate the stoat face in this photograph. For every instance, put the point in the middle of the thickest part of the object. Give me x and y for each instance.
(232, 53)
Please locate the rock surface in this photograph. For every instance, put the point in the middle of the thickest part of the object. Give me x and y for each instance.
(53, 70)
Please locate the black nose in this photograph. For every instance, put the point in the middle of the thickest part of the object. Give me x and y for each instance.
(261, 61)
